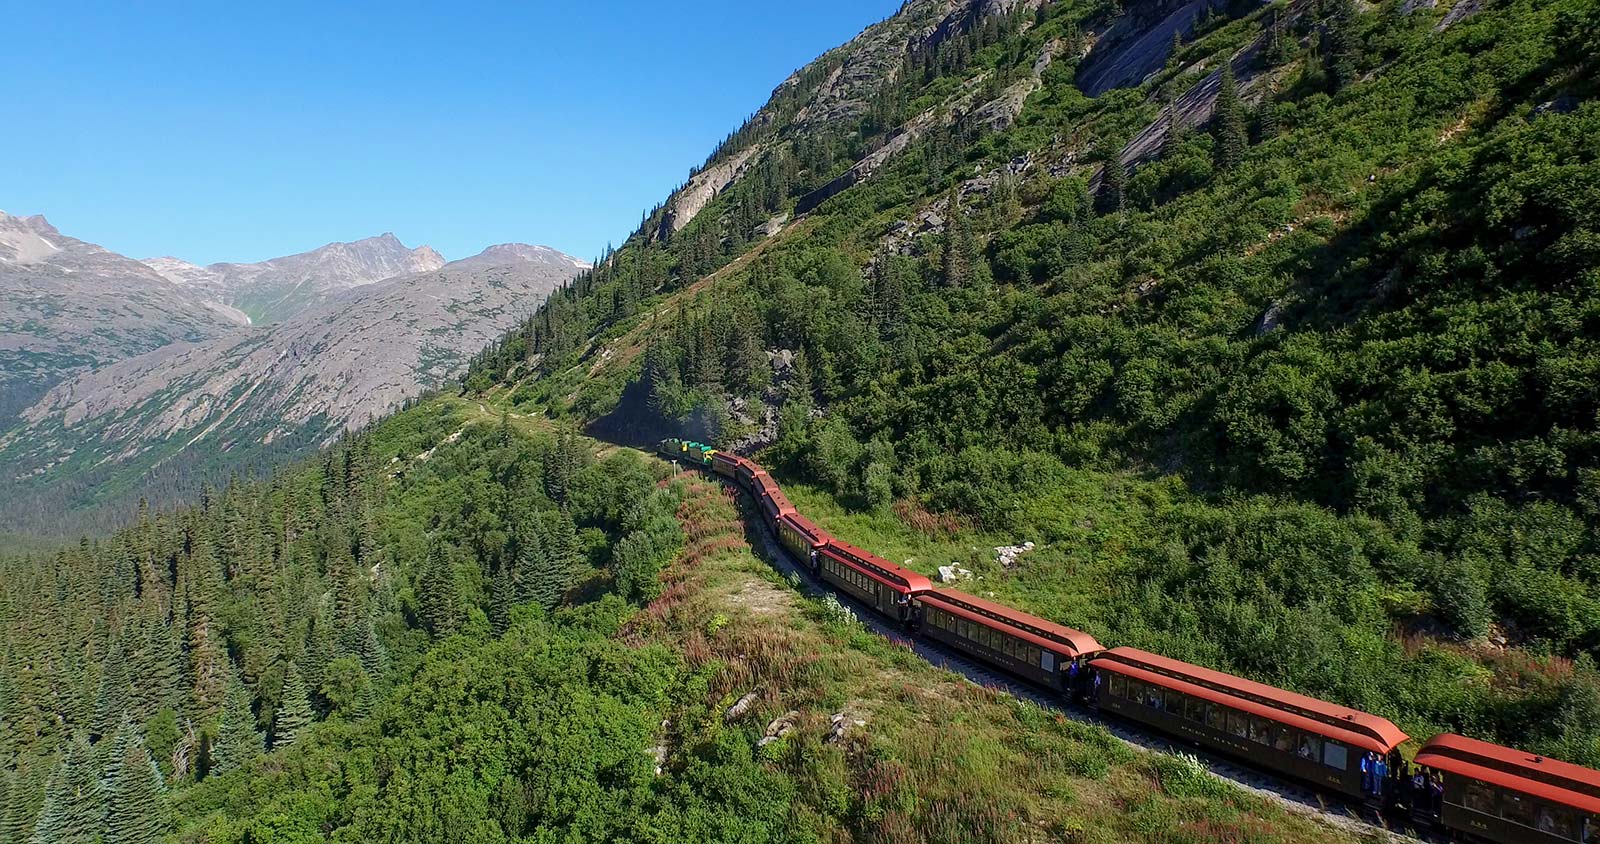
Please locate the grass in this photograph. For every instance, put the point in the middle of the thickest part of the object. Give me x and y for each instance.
(937, 758)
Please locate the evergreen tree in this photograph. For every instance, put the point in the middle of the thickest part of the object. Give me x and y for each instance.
(553, 562)
(1342, 50)
(16, 810)
(1267, 121)
(157, 674)
(136, 797)
(1230, 127)
(74, 804)
(503, 593)
(1113, 185)
(373, 658)
(438, 597)
(1177, 133)
(1177, 47)
(238, 741)
(959, 247)
(202, 590)
(115, 697)
(1276, 50)
(294, 709)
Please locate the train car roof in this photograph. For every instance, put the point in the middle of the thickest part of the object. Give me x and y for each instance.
(807, 527)
(1044, 631)
(1379, 733)
(1538, 776)
(913, 582)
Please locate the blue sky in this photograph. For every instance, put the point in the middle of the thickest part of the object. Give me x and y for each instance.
(239, 132)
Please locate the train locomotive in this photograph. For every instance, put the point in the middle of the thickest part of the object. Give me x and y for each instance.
(1467, 789)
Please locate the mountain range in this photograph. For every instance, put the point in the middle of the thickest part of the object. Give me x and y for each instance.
(126, 377)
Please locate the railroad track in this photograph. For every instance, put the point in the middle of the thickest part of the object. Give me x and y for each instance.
(1295, 798)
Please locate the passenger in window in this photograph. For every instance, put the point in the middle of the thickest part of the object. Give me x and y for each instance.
(1306, 750)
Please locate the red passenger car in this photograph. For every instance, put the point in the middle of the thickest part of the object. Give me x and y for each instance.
(1503, 795)
(888, 588)
(802, 537)
(1312, 740)
(1026, 645)
(726, 463)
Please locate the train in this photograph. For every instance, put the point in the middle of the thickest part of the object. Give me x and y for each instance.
(1466, 789)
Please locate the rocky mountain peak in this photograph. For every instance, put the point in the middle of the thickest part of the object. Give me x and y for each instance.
(507, 254)
(27, 240)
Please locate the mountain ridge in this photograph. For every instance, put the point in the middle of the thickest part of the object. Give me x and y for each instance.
(350, 350)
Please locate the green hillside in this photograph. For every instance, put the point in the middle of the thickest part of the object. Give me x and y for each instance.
(1277, 337)
(1305, 390)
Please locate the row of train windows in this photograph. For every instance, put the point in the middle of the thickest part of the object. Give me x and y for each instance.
(851, 576)
(1241, 725)
(1521, 809)
(986, 636)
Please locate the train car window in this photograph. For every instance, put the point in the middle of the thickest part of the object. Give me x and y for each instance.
(1335, 755)
(1591, 826)
(1556, 821)
(1194, 709)
(1283, 739)
(1119, 686)
(1258, 730)
(1238, 724)
(1516, 808)
(1216, 717)
(1310, 747)
(1153, 697)
(1479, 798)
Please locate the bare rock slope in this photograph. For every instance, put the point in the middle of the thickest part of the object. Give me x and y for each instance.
(67, 306)
(191, 410)
(274, 290)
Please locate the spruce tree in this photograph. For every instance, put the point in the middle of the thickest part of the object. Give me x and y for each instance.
(135, 796)
(238, 741)
(1267, 121)
(552, 571)
(74, 804)
(373, 657)
(959, 247)
(294, 709)
(115, 700)
(1230, 127)
(503, 593)
(1342, 51)
(1177, 133)
(439, 596)
(16, 810)
(1113, 185)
